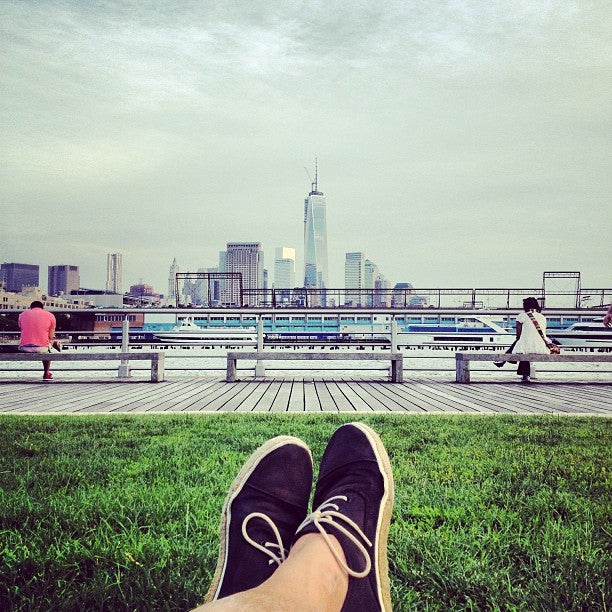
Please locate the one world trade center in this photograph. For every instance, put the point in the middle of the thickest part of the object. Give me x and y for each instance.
(315, 240)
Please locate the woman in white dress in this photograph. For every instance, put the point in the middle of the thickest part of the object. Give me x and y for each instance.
(528, 338)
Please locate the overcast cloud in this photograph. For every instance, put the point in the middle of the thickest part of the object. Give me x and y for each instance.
(460, 144)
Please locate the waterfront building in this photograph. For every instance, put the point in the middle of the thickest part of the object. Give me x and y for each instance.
(63, 279)
(144, 294)
(172, 272)
(284, 272)
(354, 278)
(376, 283)
(16, 276)
(247, 259)
(22, 300)
(315, 239)
(114, 273)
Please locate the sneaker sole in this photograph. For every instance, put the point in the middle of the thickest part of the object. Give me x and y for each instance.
(384, 519)
(235, 488)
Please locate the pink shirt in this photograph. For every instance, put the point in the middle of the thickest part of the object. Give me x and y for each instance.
(37, 327)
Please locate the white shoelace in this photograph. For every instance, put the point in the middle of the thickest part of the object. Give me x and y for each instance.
(325, 514)
(278, 557)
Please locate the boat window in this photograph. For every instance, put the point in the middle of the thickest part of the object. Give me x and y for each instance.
(448, 319)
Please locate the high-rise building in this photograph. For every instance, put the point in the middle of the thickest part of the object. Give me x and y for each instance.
(16, 276)
(315, 238)
(63, 279)
(246, 258)
(354, 277)
(376, 283)
(114, 273)
(284, 272)
(174, 268)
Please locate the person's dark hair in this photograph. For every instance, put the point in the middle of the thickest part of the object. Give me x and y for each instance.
(531, 303)
(37, 304)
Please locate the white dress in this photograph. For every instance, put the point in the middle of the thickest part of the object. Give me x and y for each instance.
(530, 340)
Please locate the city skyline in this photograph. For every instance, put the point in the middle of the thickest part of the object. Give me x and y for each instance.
(459, 144)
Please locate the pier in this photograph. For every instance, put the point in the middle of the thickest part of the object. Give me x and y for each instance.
(415, 396)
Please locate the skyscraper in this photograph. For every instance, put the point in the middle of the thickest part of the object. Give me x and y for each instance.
(114, 273)
(284, 272)
(174, 268)
(315, 238)
(16, 276)
(284, 268)
(63, 279)
(354, 277)
(246, 258)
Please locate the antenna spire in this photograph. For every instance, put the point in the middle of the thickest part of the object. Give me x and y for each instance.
(316, 181)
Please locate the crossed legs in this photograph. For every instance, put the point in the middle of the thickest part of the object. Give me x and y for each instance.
(310, 579)
(276, 555)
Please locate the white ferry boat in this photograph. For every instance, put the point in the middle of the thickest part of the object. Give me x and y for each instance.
(187, 332)
(453, 330)
(584, 334)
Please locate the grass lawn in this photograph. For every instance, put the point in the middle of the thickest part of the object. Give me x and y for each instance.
(122, 513)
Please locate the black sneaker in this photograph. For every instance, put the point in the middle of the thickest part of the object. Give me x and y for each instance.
(264, 507)
(353, 501)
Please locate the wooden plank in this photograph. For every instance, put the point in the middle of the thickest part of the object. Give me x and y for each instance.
(281, 401)
(311, 399)
(179, 396)
(218, 399)
(296, 399)
(340, 400)
(267, 399)
(245, 389)
(250, 405)
(373, 402)
(355, 399)
(425, 400)
(197, 394)
(326, 401)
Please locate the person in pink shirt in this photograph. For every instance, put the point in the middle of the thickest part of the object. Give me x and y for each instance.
(37, 333)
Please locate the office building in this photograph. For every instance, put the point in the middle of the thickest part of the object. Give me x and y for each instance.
(354, 278)
(172, 272)
(247, 259)
(315, 239)
(284, 272)
(114, 273)
(376, 284)
(16, 276)
(63, 279)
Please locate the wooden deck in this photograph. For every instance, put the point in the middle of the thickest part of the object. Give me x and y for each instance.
(212, 394)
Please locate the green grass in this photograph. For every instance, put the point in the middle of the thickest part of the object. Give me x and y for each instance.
(121, 513)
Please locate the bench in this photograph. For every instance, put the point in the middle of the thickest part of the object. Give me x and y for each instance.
(396, 359)
(156, 358)
(462, 360)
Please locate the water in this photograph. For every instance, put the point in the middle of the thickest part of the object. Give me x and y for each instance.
(422, 363)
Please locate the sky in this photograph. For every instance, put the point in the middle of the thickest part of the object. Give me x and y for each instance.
(459, 143)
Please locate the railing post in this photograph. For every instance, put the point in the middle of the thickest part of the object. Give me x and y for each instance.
(124, 366)
(393, 334)
(260, 369)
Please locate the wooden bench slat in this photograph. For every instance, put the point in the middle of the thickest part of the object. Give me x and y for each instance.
(156, 358)
(396, 359)
(462, 360)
